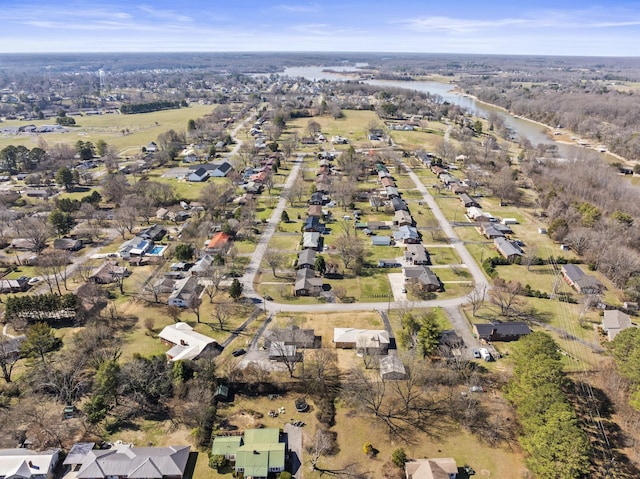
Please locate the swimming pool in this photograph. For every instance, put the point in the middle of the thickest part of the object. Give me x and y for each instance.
(157, 251)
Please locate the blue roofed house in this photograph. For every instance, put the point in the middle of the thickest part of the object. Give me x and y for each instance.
(312, 223)
(406, 234)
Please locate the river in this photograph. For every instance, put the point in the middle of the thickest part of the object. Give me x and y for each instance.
(522, 127)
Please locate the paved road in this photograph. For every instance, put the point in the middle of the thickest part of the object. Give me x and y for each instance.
(249, 276)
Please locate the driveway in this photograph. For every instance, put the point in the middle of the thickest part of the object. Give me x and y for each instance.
(396, 280)
(294, 442)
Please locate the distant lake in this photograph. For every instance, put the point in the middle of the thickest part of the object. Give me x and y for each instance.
(534, 132)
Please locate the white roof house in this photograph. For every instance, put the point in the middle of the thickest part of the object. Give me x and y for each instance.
(188, 344)
(26, 464)
(310, 240)
(615, 321)
(367, 339)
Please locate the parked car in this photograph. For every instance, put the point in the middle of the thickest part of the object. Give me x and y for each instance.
(33, 281)
(239, 352)
(476, 353)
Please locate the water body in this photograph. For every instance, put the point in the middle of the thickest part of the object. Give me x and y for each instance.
(521, 127)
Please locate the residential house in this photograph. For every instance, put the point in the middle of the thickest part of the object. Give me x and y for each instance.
(439, 468)
(365, 341)
(387, 181)
(127, 462)
(22, 244)
(311, 240)
(109, 272)
(312, 223)
(579, 280)
(183, 290)
(261, 452)
(390, 192)
(508, 249)
(490, 230)
(423, 276)
(392, 367)
(307, 259)
(67, 244)
(467, 201)
(399, 204)
(162, 214)
(315, 210)
(381, 241)
(402, 218)
(306, 283)
(226, 446)
(458, 188)
(152, 147)
(202, 265)
(416, 254)
(14, 285)
(153, 233)
(615, 321)
(136, 246)
(316, 198)
(219, 242)
(448, 180)
(379, 225)
(27, 464)
(186, 343)
(221, 170)
(301, 338)
(476, 214)
(199, 175)
(406, 234)
(279, 351)
(506, 331)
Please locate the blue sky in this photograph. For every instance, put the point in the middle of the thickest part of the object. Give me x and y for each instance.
(469, 26)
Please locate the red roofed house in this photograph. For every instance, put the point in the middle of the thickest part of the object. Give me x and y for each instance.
(219, 242)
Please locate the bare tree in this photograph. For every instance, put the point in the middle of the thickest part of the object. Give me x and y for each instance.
(505, 295)
(476, 297)
(274, 259)
(222, 312)
(9, 356)
(194, 303)
(54, 267)
(351, 249)
(211, 279)
(124, 219)
(36, 230)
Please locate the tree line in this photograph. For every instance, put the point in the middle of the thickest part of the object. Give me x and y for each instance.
(132, 108)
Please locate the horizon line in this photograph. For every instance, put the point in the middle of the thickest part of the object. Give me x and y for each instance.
(309, 52)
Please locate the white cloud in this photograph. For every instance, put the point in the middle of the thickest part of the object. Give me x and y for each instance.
(299, 8)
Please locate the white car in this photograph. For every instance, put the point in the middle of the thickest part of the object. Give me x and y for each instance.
(33, 281)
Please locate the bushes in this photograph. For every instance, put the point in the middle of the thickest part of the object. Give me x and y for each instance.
(326, 414)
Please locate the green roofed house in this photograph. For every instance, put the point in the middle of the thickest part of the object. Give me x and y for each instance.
(226, 446)
(256, 454)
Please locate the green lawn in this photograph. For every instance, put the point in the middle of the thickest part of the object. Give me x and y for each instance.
(143, 128)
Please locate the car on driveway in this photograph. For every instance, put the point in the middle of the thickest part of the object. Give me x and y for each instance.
(476, 353)
(239, 352)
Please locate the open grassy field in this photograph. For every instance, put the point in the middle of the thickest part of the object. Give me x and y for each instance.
(142, 128)
(354, 125)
